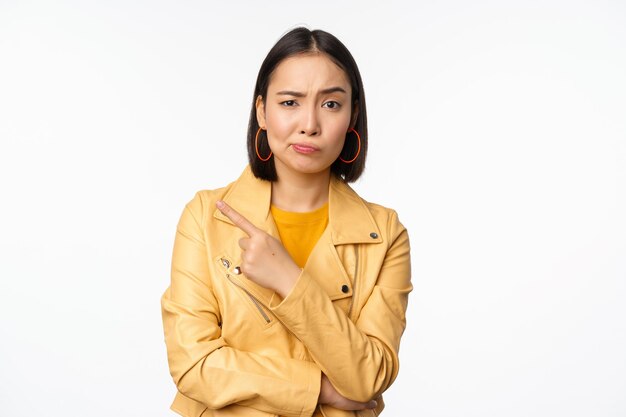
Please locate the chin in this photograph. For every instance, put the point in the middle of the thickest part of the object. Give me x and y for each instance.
(304, 165)
(310, 168)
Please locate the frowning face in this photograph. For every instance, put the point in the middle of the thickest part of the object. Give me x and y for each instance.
(307, 114)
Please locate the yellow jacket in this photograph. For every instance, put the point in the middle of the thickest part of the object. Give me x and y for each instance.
(237, 349)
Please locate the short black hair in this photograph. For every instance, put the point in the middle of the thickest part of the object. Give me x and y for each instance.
(301, 40)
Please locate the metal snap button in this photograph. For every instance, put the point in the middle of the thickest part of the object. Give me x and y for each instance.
(345, 289)
(225, 262)
(373, 235)
(237, 270)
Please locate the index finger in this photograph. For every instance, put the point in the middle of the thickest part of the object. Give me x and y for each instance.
(239, 221)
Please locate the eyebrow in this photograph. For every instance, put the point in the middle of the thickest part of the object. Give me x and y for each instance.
(299, 94)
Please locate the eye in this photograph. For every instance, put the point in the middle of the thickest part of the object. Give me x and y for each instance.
(335, 105)
(288, 103)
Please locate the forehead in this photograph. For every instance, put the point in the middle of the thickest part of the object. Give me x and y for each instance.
(305, 72)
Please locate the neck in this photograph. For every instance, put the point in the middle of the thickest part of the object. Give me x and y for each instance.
(301, 192)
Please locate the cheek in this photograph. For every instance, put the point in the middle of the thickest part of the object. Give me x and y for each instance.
(339, 144)
(340, 131)
(277, 124)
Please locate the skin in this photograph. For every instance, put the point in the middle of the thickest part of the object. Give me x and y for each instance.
(306, 133)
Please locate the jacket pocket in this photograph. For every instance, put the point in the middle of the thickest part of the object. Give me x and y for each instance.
(231, 272)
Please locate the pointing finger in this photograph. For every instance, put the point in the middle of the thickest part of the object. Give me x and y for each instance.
(239, 221)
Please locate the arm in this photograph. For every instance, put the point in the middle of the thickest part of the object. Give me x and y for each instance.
(361, 358)
(201, 363)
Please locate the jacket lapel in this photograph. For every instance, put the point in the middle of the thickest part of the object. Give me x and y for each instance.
(349, 219)
(332, 262)
(251, 197)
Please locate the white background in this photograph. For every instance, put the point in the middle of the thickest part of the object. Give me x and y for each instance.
(497, 131)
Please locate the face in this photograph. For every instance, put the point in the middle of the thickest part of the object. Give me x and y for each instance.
(306, 114)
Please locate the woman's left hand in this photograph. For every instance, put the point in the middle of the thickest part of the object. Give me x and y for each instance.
(264, 259)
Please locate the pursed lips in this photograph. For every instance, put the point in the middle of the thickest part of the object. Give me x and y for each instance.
(304, 148)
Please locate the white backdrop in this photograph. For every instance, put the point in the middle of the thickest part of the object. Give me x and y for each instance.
(504, 120)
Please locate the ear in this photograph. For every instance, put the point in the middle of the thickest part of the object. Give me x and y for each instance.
(260, 112)
(355, 114)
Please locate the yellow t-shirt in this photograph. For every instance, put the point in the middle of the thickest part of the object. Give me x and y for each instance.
(299, 232)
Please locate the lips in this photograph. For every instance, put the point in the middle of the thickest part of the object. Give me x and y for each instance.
(304, 148)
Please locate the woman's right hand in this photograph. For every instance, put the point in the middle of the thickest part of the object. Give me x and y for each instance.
(330, 396)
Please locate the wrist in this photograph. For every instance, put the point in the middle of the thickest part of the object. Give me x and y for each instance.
(289, 281)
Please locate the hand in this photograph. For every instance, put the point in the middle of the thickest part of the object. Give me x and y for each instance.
(264, 259)
(330, 396)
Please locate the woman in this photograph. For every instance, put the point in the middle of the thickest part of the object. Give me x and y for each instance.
(288, 291)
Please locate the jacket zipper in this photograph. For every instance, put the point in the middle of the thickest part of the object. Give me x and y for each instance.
(254, 300)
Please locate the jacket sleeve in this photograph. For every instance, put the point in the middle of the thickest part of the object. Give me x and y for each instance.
(360, 358)
(202, 364)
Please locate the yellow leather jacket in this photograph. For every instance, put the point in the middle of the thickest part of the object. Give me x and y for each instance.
(237, 349)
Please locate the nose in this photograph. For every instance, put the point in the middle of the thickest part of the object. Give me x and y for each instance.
(310, 122)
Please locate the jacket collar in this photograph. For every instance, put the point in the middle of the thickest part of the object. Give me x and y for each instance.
(349, 219)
